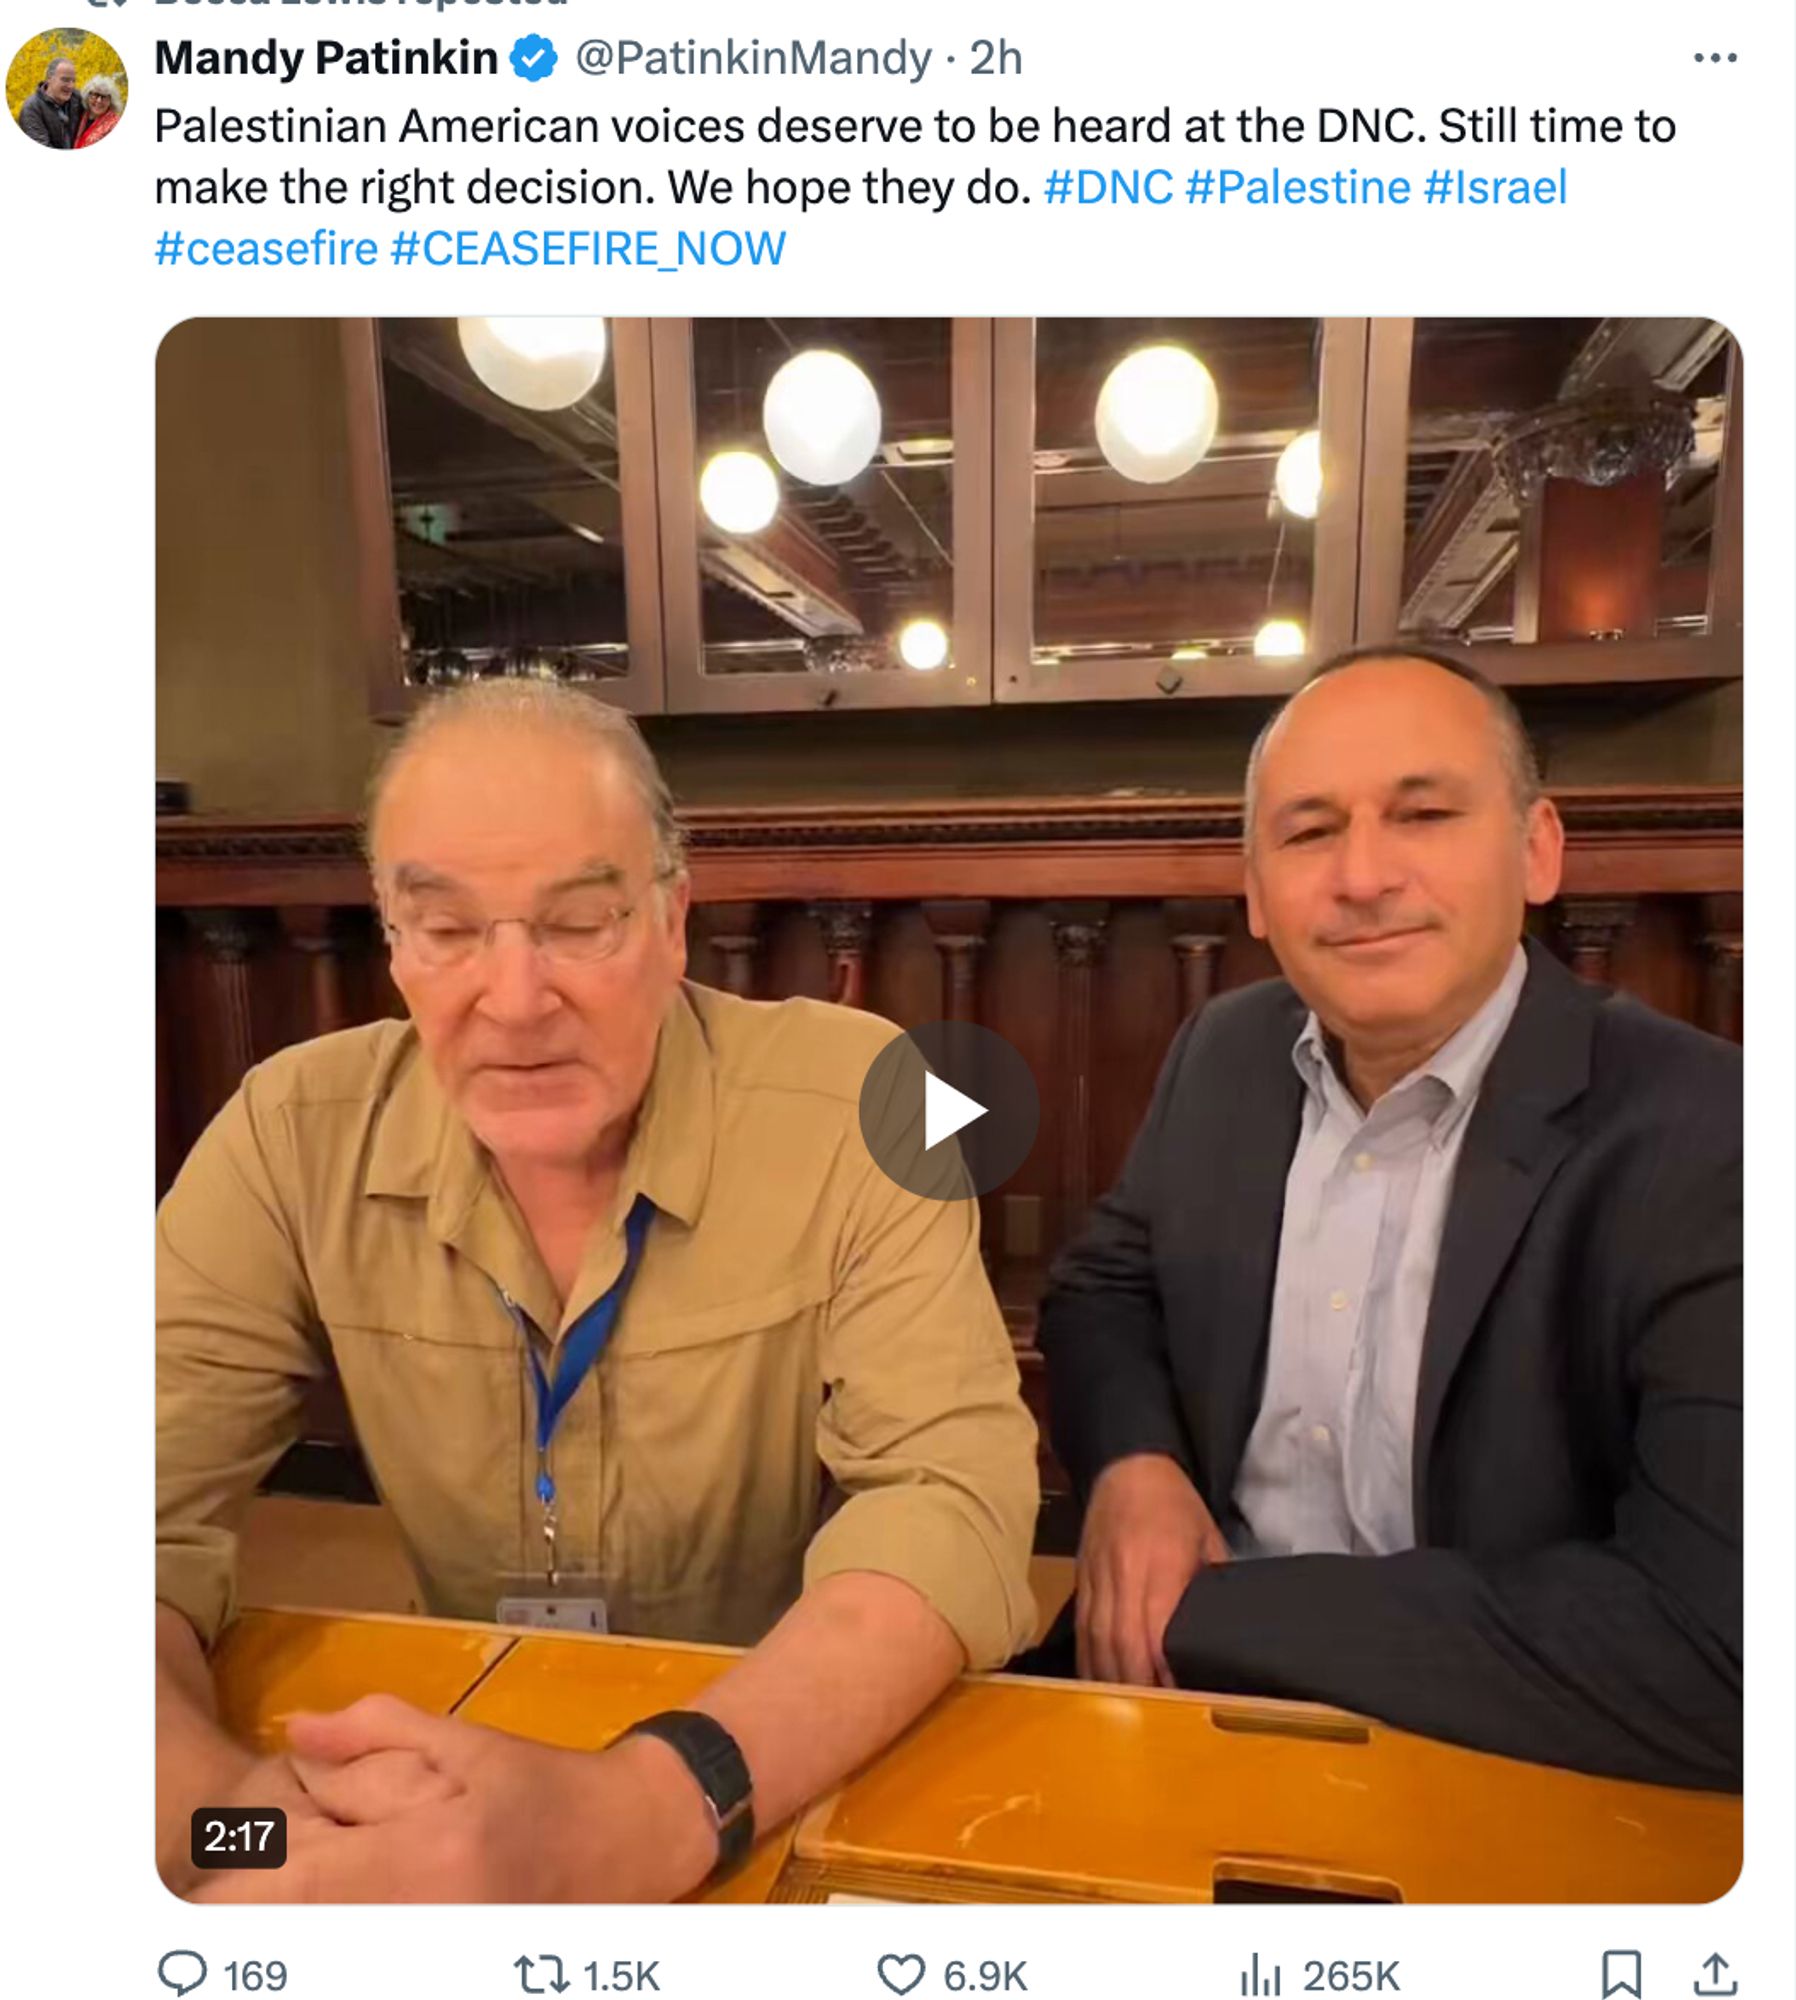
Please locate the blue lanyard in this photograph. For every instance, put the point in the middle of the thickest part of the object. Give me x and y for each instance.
(581, 1345)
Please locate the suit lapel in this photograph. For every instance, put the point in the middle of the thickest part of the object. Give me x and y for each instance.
(1513, 1146)
(1251, 1199)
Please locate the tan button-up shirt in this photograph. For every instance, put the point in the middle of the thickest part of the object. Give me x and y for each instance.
(794, 1310)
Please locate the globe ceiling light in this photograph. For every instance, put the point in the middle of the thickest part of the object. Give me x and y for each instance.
(739, 491)
(1298, 479)
(1279, 639)
(821, 415)
(923, 644)
(540, 363)
(1157, 414)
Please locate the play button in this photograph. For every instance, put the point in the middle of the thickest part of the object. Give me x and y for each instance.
(945, 1112)
(949, 1110)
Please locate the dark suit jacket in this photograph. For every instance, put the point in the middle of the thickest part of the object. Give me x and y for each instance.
(1575, 1593)
(52, 125)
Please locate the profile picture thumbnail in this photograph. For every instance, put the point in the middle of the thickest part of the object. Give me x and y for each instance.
(65, 89)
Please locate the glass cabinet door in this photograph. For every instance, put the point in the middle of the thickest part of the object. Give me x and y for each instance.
(825, 511)
(520, 475)
(1193, 490)
(1570, 505)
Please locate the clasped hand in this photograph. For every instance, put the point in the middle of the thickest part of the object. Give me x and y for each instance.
(387, 1804)
(1147, 1534)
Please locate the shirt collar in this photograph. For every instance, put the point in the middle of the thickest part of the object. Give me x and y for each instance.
(421, 1148)
(1459, 1063)
(676, 1131)
(418, 1146)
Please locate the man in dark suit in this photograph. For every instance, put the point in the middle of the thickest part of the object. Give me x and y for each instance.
(52, 115)
(1401, 1368)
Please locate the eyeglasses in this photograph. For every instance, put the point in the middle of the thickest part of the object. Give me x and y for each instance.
(442, 942)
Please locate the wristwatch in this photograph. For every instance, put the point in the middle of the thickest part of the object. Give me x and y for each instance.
(709, 1752)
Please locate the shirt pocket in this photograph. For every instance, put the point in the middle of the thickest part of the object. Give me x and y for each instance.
(676, 1327)
(430, 1302)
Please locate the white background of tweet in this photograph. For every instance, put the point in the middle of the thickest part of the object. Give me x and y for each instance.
(1704, 225)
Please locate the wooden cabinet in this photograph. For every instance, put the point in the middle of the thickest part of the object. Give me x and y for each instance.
(519, 541)
(814, 609)
(1558, 498)
(1569, 495)
(1114, 587)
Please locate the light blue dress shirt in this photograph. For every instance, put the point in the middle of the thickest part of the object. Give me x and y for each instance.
(1327, 1466)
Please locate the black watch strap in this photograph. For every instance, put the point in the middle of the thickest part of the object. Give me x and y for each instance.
(709, 1752)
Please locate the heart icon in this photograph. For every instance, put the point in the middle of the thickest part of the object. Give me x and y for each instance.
(901, 1973)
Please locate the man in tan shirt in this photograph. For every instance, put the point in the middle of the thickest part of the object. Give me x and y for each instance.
(435, 1209)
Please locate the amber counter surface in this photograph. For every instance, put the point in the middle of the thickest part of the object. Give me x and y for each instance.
(1035, 1790)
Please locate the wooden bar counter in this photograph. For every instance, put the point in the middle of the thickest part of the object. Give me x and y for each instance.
(1014, 1790)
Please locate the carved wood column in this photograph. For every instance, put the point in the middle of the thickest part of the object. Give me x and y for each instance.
(847, 929)
(1198, 932)
(168, 1132)
(228, 941)
(959, 930)
(1078, 944)
(389, 1001)
(315, 931)
(1593, 925)
(735, 933)
(1724, 966)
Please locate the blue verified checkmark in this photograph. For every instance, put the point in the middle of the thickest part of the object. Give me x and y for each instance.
(533, 57)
